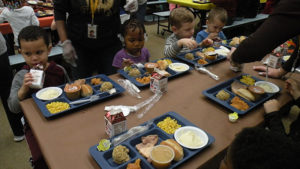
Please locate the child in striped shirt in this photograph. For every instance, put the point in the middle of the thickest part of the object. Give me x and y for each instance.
(182, 23)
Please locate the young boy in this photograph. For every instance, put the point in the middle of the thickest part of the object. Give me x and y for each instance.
(257, 148)
(216, 20)
(35, 48)
(182, 23)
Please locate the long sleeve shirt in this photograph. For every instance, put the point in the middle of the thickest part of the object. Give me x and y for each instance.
(281, 25)
(171, 47)
(54, 75)
(18, 19)
(273, 121)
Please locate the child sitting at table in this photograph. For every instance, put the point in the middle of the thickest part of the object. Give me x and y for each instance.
(215, 22)
(18, 16)
(182, 23)
(133, 35)
(35, 48)
(257, 148)
(285, 120)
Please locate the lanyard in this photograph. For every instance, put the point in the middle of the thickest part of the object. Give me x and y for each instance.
(93, 5)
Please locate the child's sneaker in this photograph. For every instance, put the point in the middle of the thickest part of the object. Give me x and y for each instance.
(19, 138)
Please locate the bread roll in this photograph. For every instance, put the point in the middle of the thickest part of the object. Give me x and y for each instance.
(245, 94)
(178, 150)
(86, 90)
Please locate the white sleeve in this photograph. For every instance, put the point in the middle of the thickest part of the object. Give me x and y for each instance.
(34, 19)
(2, 15)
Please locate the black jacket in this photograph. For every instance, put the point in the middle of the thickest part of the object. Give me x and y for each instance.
(79, 16)
(273, 121)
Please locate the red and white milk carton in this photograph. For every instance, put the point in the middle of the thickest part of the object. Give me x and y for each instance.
(115, 123)
(158, 82)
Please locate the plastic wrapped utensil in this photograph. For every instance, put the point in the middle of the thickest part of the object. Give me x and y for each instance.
(131, 132)
(130, 87)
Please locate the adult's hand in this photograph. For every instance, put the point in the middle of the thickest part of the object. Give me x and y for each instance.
(272, 72)
(271, 106)
(69, 53)
(230, 53)
(131, 5)
(293, 88)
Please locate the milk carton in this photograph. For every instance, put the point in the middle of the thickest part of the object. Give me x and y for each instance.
(158, 82)
(115, 123)
(38, 77)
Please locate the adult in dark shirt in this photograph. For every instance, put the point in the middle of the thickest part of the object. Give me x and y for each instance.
(282, 24)
(95, 53)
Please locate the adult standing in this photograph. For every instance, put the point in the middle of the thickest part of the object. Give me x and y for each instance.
(90, 54)
(6, 77)
(282, 24)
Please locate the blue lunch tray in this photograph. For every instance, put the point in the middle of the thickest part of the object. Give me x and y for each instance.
(226, 86)
(104, 159)
(143, 73)
(63, 98)
(196, 58)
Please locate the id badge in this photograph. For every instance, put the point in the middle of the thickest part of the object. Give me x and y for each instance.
(92, 31)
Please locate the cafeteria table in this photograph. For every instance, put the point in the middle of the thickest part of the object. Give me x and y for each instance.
(65, 140)
(45, 22)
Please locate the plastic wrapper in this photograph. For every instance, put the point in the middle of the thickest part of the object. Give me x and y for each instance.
(129, 109)
(131, 132)
(130, 88)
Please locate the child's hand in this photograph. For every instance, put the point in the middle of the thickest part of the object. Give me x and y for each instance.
(186, 42)
(127, 62)
(292, 87)
(213, 36)
(28, 79)
(206, 42)
(271, 106)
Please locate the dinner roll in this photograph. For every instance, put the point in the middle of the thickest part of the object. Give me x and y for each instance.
(178, 150)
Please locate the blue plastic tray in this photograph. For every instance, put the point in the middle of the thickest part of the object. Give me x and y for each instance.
(212, 92)
(196, 58)
(143, 71)
(63, 98)
(104, 159)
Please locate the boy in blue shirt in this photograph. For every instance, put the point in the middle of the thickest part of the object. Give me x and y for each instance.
(215, 22)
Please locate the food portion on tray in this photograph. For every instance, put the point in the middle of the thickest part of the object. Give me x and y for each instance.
(202, 56)
(140, 75)
(58, 100)
(156, 147)
(234, 42)
(243, 93)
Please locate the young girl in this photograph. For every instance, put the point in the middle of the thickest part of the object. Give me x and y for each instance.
(133, 33)
(215, 22)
